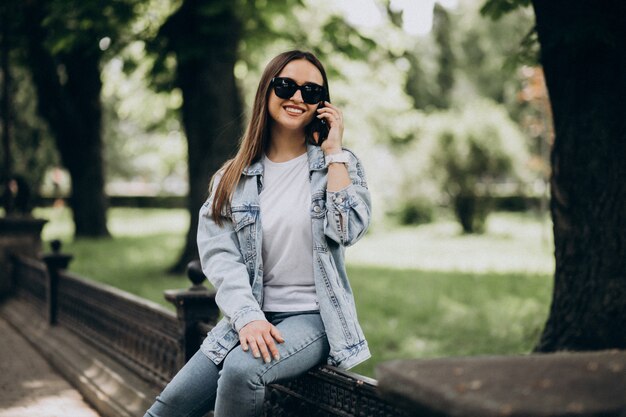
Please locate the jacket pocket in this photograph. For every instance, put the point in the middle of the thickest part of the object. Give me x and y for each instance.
(244, 215)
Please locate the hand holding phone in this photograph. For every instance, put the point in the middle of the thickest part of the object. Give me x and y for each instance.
(320, 126)
(329, 127)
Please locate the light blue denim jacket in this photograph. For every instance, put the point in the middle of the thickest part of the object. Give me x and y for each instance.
(231, 258)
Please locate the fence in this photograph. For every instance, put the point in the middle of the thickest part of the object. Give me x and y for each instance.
(153, 343)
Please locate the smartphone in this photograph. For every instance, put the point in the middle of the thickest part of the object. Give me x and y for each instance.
(320, 126)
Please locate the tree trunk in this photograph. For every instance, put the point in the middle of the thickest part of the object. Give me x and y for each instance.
(5, 49)
(68, 92)
(583, 55)
(212, 109)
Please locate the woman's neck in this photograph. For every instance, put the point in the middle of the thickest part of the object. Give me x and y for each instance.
(285, 144)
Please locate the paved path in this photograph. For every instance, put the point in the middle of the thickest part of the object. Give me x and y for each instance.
(29, 386)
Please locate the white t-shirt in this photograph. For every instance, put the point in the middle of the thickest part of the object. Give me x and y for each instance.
(288, 283)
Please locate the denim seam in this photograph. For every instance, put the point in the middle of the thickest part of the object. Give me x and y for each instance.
(334, 300)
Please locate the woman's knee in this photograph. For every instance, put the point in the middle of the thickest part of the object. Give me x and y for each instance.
(242, 369)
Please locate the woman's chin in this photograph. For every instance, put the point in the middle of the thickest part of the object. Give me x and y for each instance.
(292, 125)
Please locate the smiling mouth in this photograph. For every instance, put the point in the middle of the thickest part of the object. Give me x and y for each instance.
(293, 110)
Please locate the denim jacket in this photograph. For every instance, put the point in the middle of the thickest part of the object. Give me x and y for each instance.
(231, 258)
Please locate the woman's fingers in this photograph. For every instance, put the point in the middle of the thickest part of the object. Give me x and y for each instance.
(329, 114)
(259, 337)
(262, 344)
(271, 346)
(330, 111)
(276, 334)
(256, 352)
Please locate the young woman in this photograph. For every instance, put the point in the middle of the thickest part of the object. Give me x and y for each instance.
(271, 239)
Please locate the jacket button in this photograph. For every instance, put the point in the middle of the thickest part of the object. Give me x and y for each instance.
(317, 209)
(339, 200)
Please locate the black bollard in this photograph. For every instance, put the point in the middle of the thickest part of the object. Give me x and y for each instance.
(55, 261)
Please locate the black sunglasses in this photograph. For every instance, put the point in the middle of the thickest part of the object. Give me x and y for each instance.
(286, 87)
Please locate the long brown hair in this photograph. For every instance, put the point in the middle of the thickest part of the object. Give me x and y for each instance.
(256, 137)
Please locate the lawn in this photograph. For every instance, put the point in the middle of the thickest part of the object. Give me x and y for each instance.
(421, 292)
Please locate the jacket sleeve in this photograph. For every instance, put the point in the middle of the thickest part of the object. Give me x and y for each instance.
(223, 265)
(349, 209)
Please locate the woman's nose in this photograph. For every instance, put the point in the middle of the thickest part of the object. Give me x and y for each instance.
(297, 97)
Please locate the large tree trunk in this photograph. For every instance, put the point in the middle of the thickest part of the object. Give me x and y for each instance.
(583, 55)
(68, 92)
(212, 107)
(5, 113)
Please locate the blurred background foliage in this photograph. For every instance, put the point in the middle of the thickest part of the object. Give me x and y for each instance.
(439, 117)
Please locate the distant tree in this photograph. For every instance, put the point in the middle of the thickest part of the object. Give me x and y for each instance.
(64, 42)
(28, 149)
(7, 15)
(465, 57)
(491, 53)
(430, 76)
(584, 62)
(446, 60)
(204, 37)
(475, 149)
(418, 85)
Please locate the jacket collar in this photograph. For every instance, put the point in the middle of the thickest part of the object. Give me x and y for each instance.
(315, 156)
(255, 168)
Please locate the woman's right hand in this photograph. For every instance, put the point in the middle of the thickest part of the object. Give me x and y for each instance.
(259, 336)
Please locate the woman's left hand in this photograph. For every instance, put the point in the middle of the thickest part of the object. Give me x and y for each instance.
(334, 120)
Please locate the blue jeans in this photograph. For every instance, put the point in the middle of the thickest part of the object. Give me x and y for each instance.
(236, 387)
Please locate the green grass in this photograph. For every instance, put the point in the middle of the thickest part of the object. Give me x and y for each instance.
(421, 292)
(421, 314)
